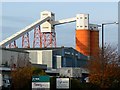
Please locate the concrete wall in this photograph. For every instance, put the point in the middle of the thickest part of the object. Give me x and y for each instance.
(47, 58)
(35, 56)
(58, 61)
(41, 57)
(10, 57)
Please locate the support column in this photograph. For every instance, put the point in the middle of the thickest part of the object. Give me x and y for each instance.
(25, 41)
(13, 45)
(37, 38)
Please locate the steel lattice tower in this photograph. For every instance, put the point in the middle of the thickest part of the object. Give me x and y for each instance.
(25, 41)
(49, 39)
(12, 45)
(37, 38)
(44, 39)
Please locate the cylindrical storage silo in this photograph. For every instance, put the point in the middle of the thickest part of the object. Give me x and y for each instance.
(83, 41)
(94, 42)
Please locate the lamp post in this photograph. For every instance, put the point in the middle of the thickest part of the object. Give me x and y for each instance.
(103, 24)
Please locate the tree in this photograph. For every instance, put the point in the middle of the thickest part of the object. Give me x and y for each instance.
(37, 71)
(21, 77)
(104, 69)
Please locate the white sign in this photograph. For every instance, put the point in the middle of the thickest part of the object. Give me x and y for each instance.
(40, 84)
(62, 83)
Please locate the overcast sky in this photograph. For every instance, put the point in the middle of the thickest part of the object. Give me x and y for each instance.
(16, 16)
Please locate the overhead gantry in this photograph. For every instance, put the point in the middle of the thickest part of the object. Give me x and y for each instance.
(45, 30)
(22, 32)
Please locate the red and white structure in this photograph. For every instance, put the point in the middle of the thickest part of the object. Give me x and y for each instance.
(44, 31)
(44, 34)
(13, 45)
(48, 35)
(37, 42)
(25, 41)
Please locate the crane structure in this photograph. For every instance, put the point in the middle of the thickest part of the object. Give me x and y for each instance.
(45, 35)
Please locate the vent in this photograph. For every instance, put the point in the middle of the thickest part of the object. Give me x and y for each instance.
(45, 27)
(45, 14)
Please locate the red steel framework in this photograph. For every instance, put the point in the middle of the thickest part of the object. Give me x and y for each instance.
(41, 39)
(49, 39)
(37, 42)
(44, 39)
(13, 45)
(25, 41)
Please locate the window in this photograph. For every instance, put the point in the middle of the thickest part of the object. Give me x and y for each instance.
(52, 14)
(85, 17)
(48, 20)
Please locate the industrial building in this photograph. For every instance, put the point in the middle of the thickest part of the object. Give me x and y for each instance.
(87, 35)
(55, 61)
(44, 51)
(52, 57)
(13, 58)
(57, 57)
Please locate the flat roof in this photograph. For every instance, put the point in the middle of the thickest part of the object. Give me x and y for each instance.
(24, 49)
(48, 48)
(42, 66)
(14, 49)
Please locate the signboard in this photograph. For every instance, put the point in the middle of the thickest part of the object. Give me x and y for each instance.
(40, 78)
(40, 85)
(62, 83)
(40, 82)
